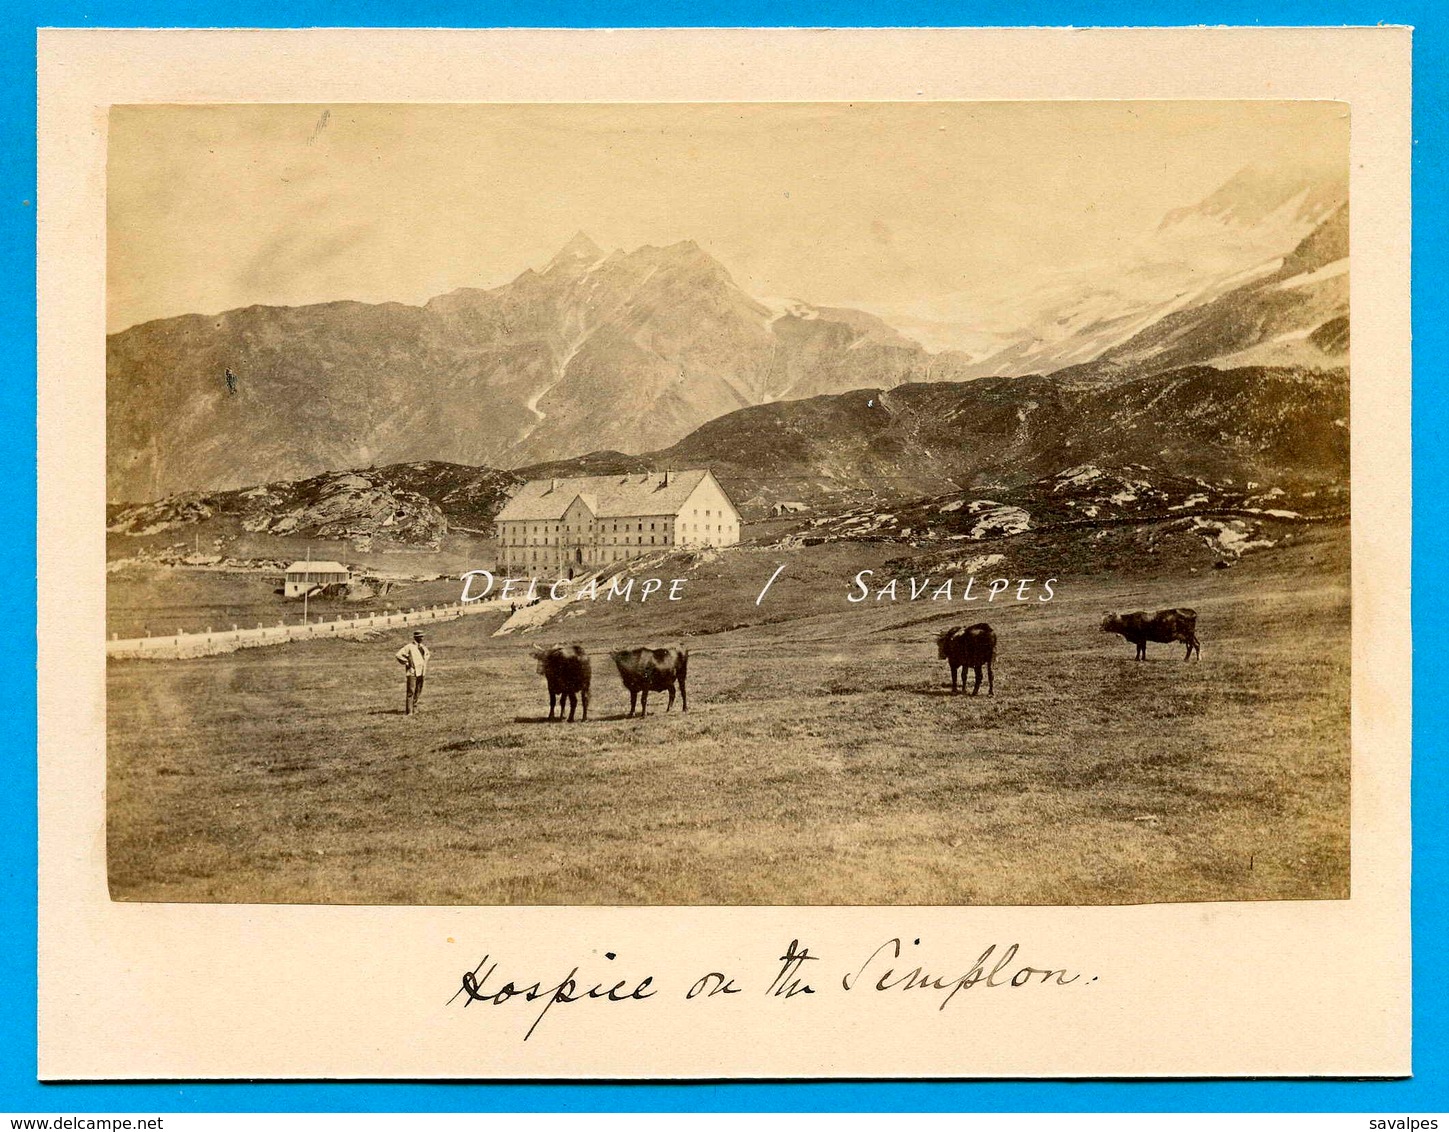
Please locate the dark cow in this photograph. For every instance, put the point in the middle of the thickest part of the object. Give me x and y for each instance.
(653, 670)
(568, 672)
(972, 647)
(1164, 626)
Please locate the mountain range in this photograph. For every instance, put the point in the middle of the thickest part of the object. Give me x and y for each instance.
(658, 351)
(1295, 315)
(1247, 430)
(627, 350)
(1238, 234)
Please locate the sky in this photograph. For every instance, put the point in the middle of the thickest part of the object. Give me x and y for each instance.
(884, 206)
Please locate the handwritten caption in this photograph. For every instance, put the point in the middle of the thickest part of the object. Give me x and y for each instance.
(889, 968)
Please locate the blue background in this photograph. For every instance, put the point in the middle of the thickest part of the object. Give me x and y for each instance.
(1427, 1091)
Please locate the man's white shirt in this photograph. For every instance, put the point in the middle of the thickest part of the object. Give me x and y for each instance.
(415, 656)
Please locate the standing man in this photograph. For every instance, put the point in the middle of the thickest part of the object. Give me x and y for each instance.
(413, 656)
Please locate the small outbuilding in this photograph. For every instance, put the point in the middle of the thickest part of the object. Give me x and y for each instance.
(304, 577)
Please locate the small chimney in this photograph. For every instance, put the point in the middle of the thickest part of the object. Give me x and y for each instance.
(666, 477)
(553, 484)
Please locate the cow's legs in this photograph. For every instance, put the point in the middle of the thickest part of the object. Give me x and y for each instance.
(633, 700)
(644, 702)
(552, 696)
(977, 687)
(953, 678)
(990, 680)
(670, 704)
(573, 699)
(1141, 650)
(683, 699)
(1197, 648)
(585, 697)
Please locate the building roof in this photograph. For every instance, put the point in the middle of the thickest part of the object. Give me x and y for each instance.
(609, 497)
(310, 567)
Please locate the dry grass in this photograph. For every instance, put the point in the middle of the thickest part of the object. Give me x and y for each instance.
(822, 760)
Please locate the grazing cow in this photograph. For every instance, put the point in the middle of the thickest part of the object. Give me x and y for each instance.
(1164, 626)
(568, 672)
(972, 647)
(653, 670)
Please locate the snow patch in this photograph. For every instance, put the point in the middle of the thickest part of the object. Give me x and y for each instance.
(781, 308)
(1233, 537)
(1079, 476)
(997, 520)
(972, 565)
(1308, 278)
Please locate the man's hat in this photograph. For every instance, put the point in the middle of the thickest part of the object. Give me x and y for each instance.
(418, 635)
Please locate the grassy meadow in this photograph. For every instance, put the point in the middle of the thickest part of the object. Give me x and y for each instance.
(822, 761)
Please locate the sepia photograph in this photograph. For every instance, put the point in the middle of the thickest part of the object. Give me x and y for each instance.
(942, 503)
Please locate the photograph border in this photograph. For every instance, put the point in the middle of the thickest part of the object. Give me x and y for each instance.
(1425, 1092)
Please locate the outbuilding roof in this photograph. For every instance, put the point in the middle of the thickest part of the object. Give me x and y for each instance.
(609, 497)
(310, 567)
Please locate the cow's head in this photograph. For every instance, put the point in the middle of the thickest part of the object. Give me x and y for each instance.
(540, 655)
(943, 642)
(1111, 622)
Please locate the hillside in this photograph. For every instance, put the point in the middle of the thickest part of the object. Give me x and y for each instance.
(1276, 426)
(1080, 521)
(407, 504)
(627, 350)
(1280, 428)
